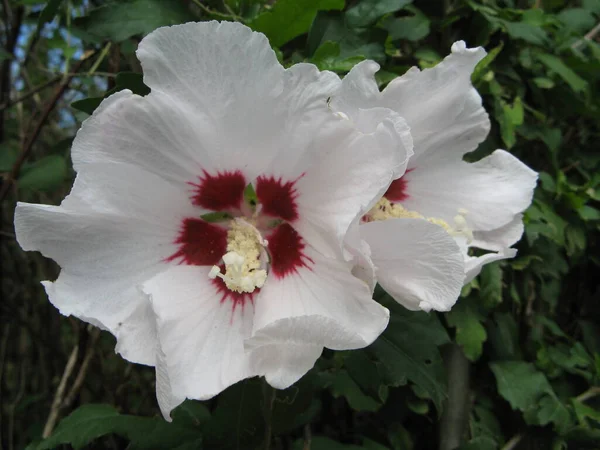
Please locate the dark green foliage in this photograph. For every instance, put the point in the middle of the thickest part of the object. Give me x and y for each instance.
(529, 327)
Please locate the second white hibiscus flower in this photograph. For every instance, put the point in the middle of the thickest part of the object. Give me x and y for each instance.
(441, 202)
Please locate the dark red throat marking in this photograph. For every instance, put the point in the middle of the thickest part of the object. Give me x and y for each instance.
(286, 248)
(220, 192)
(200, 243)
(397, 190)
(278, 199)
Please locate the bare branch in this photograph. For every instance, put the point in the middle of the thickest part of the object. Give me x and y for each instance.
(28, 145)
(31, 93)
(60, 392)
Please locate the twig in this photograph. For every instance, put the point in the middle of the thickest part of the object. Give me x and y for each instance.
(7, 11)
(30, 93)
(70, 398)
(570, 166)
(12, 408)
(510, 445)
(60, 392)
(588, 37)
(101, 56)
(28, 145)
(590, 393)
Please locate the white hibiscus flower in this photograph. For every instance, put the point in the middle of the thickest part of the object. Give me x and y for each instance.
(159, 244)
(479, 205)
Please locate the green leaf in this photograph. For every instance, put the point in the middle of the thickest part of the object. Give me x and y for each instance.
(543, 83)
(411, 28)
(399, 437)
(327, 57)
(592, 5)
(509, 118)
(366, 12)
(83, 426)
(528, 390)
(481, 67)
(555, 64)
(369, 43)
(490, 282)
(118, 21)
(90, 422)
(470, 333)
(288, 19)
(589, 213)
(87, 105)
(407, 350)
(483, 423)
(366, 373)
(237, 418)
(342, 385)
(576, 239)
(45, 174)
(577, 19)
(520, 383)
(294, 407)
(549, 410)
(49, 12)
(525, 31)
(132, 81)
(585, 412)
(191, 414)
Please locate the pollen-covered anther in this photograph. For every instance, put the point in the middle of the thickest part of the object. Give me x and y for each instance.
(244, 261)
(461, 228)
(384, 209)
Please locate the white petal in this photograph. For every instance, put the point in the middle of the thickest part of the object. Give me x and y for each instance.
(262, 117)
(364, 269)
(200, 333)
(107, 243)
(322, 305)
(325, 288)
(280, 352)
(167, 400)
(473, 265)
(441, 106)
(418, 263)
(493, 190)
(216, 67)
(359, 89)
(159, 134)
(349, 178)
(500, 238)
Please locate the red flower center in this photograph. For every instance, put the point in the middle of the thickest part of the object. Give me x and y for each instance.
(203, 244)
